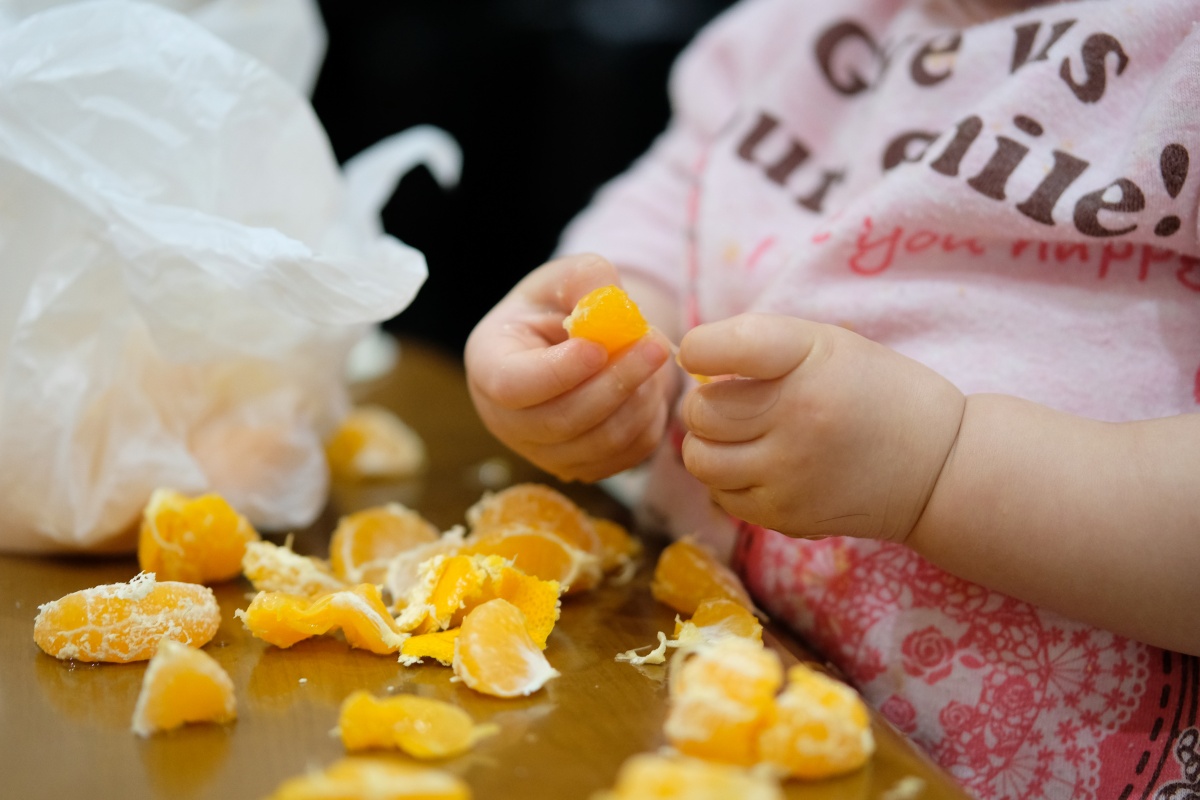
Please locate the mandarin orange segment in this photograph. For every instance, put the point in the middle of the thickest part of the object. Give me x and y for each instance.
(364, 542)
(124, 622)
(538, 506)
(374, 779)
(647, 776)
(284, 619)
(438, 645)
(182, 685)
(617, 546)
(198, 540)
(540, 553)
(422, 727)
(717, 618)
(720, 698)
(821, 727)
(687, 573)
(608, 317)
(495, 655)
(273, 568)
(372, 442)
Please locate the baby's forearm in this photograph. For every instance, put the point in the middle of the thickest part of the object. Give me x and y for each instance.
(1097, 521)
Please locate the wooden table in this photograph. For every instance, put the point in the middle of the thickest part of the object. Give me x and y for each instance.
(64, 726)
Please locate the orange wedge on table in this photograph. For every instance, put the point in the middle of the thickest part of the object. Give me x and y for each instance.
(182, 685)
(365, 542)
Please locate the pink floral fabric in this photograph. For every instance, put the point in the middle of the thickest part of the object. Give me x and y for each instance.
(1013, 701)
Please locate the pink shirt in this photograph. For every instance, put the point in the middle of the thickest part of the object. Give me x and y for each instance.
(1010, 203)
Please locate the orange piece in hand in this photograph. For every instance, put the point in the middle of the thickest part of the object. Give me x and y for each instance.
(124, 622)
(495, 654)
(283, 619)
(608, 317)
(182, 685)
(687, 573)
(198, 540)
(420, 726)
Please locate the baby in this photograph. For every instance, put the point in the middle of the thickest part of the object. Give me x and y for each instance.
(949, 254)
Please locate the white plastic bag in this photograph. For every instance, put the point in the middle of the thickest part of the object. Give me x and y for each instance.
(183, 269)
(287, 35)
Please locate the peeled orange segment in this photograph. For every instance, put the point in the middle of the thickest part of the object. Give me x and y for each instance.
(687, 574)
(198, 540)
(617, 546)
(374, 779)
(420, 726)
(438, 645)
(272, 568)
(821, 727)
(182, 685)
(124, 622)
(539, 553)
(538, 506)
(364, 543)
(675, 778)
(372, 442)
(715, 619)
(608, 317)
(283, 619)
(721, 696)
(495, 654)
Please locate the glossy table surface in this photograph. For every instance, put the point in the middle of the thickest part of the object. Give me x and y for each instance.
(64, 726)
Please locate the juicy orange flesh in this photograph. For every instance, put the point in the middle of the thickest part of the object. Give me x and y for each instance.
(420, 726)
(721, 698)
(495, 654)
(364, 542)
(124, 622)
(719, 617)
(373, 778)
(182, 685)
(821, 727)
(538, 506)
(284, 619)
(198, 540)
(540, 553)
(608, 317)
(687, 574)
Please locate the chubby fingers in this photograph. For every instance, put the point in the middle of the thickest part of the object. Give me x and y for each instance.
(764, 346)
(734, 410)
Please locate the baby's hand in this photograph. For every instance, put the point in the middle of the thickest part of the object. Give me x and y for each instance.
(821, 433)
(559, 402)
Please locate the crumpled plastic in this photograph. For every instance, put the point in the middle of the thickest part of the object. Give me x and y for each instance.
(183, 270)
(287, 35)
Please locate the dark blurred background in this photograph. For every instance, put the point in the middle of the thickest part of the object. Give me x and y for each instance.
(547, 98)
